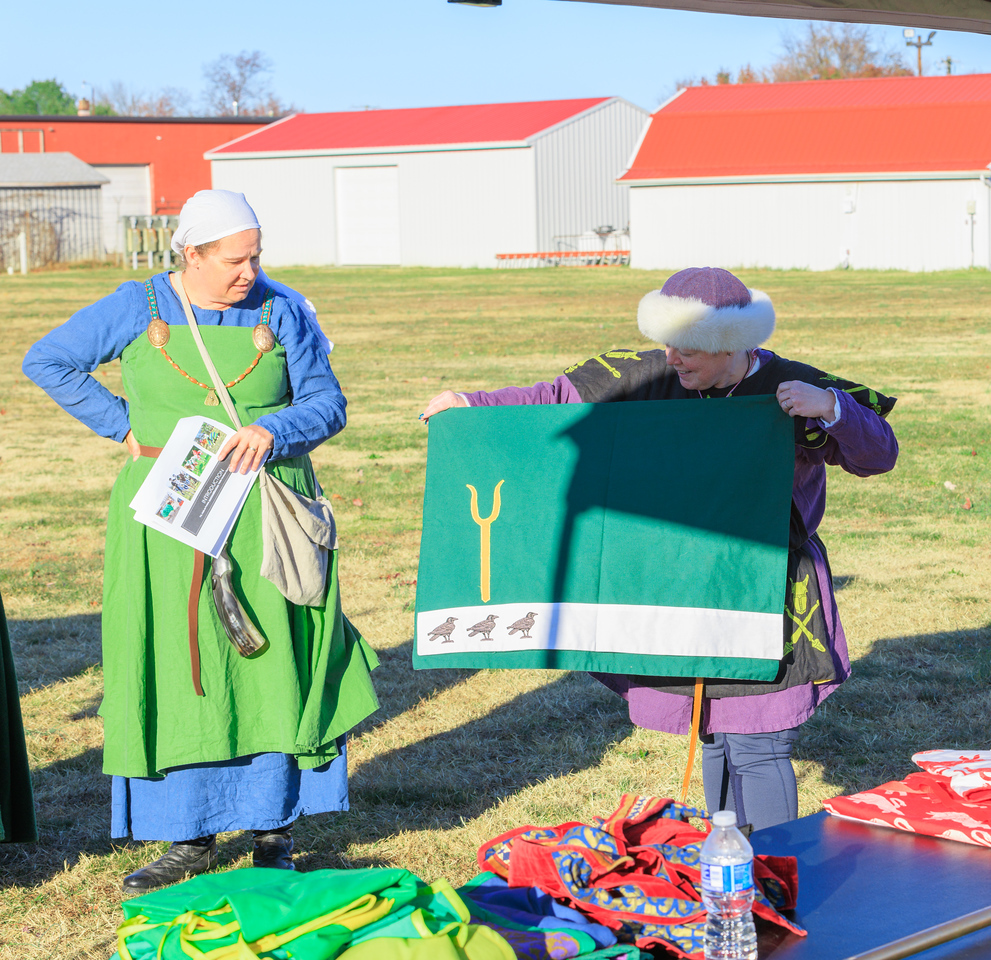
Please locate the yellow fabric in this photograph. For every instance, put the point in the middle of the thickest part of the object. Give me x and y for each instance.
(456, 942)
(196, 928)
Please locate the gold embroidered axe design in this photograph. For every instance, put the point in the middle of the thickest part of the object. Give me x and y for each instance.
(485, 524)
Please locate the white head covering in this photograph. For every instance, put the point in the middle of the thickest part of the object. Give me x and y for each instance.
(210, 215)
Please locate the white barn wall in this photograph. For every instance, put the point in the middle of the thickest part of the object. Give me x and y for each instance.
(577, 163)
(737, 225)
(457, 207)
(919, 224)
(127, 194)
(294, 200)
(867, 224)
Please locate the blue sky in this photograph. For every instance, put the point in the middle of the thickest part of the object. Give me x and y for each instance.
(349, 54)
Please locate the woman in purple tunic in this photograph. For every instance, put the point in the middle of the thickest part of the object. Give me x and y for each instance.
(712, 327)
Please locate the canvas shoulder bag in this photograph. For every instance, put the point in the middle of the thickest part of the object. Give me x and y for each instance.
(299, 532)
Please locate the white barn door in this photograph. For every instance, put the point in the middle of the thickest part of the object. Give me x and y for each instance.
(367, 215)
(127, 194)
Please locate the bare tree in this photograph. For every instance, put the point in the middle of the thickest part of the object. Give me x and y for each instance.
(824, 51)
(272, 106)
(747, 74)
(120, 99)
(833, 51)
(236, 83)
(127, 101)
(170, 102)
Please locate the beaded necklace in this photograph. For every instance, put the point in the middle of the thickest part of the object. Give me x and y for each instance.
(158, 335)
(750, 366)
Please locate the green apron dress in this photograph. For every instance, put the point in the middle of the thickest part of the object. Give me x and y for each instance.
(296, 697)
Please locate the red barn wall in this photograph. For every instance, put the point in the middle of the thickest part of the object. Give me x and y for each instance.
(173, 148)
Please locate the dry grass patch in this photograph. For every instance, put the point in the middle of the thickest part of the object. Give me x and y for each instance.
(457, 757)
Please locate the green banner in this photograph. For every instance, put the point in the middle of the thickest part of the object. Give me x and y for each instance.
(646, 538)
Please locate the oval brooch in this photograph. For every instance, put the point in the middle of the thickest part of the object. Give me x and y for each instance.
(158, 333)
(262, 337)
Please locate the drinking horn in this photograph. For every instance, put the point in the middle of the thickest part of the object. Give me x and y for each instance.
(237, 624)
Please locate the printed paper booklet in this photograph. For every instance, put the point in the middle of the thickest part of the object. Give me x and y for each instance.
(190, 494)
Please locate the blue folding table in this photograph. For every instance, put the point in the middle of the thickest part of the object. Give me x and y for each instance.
(861, 887)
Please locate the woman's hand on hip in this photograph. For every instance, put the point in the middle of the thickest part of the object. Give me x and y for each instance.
(443, 401)
(248, 448)
(800, 399)
(133, 447)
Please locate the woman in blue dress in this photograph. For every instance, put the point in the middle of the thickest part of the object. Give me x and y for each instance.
(199, 739)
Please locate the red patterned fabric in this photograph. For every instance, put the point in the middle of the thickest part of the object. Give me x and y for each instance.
(921, 803)
(635, 871)
(969, 773)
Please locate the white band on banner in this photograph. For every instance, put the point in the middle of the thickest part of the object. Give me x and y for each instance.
(602, 628)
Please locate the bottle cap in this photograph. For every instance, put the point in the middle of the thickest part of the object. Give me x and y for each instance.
(724, 818)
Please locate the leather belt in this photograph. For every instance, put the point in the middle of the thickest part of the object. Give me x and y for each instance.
(199, 560)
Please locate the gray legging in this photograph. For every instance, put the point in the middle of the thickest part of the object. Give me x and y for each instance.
(751, 773)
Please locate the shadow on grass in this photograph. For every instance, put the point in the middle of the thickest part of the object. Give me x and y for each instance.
(400, 687)
(907, 694)
(72, 796)
(447, 779)
(47, 651)
(927, 692)
(72, 807)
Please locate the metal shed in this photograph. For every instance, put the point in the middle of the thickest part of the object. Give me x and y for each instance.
(880, 173)
(435, 186)
(49, 210)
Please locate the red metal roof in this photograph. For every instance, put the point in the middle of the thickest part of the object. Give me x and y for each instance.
(877, 125)
(422, 126)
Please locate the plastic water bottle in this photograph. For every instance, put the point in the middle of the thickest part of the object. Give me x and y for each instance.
(728, 891)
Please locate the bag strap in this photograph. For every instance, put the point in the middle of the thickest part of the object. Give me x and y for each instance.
(218, 383)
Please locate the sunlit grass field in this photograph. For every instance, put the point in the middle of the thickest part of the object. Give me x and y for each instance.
(456, 757)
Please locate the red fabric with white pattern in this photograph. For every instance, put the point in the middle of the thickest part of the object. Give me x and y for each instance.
(969, 773)
(928, 802)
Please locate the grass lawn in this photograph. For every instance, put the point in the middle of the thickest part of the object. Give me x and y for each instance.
(456, 757)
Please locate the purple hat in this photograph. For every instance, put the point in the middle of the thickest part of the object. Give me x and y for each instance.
(706, 309)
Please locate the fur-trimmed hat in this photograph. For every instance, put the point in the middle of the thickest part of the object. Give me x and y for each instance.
(706, 309)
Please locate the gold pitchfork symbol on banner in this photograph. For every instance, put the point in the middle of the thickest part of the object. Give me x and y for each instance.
(485, 524)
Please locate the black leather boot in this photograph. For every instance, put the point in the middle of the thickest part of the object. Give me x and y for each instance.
(273, 849)
(181, 860)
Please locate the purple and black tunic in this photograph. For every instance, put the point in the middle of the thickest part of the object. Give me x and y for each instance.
(859, 440)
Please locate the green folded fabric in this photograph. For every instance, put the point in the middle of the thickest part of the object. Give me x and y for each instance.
(309, 916)
(370, 914)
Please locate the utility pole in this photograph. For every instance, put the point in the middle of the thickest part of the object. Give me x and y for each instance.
(918, 43)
